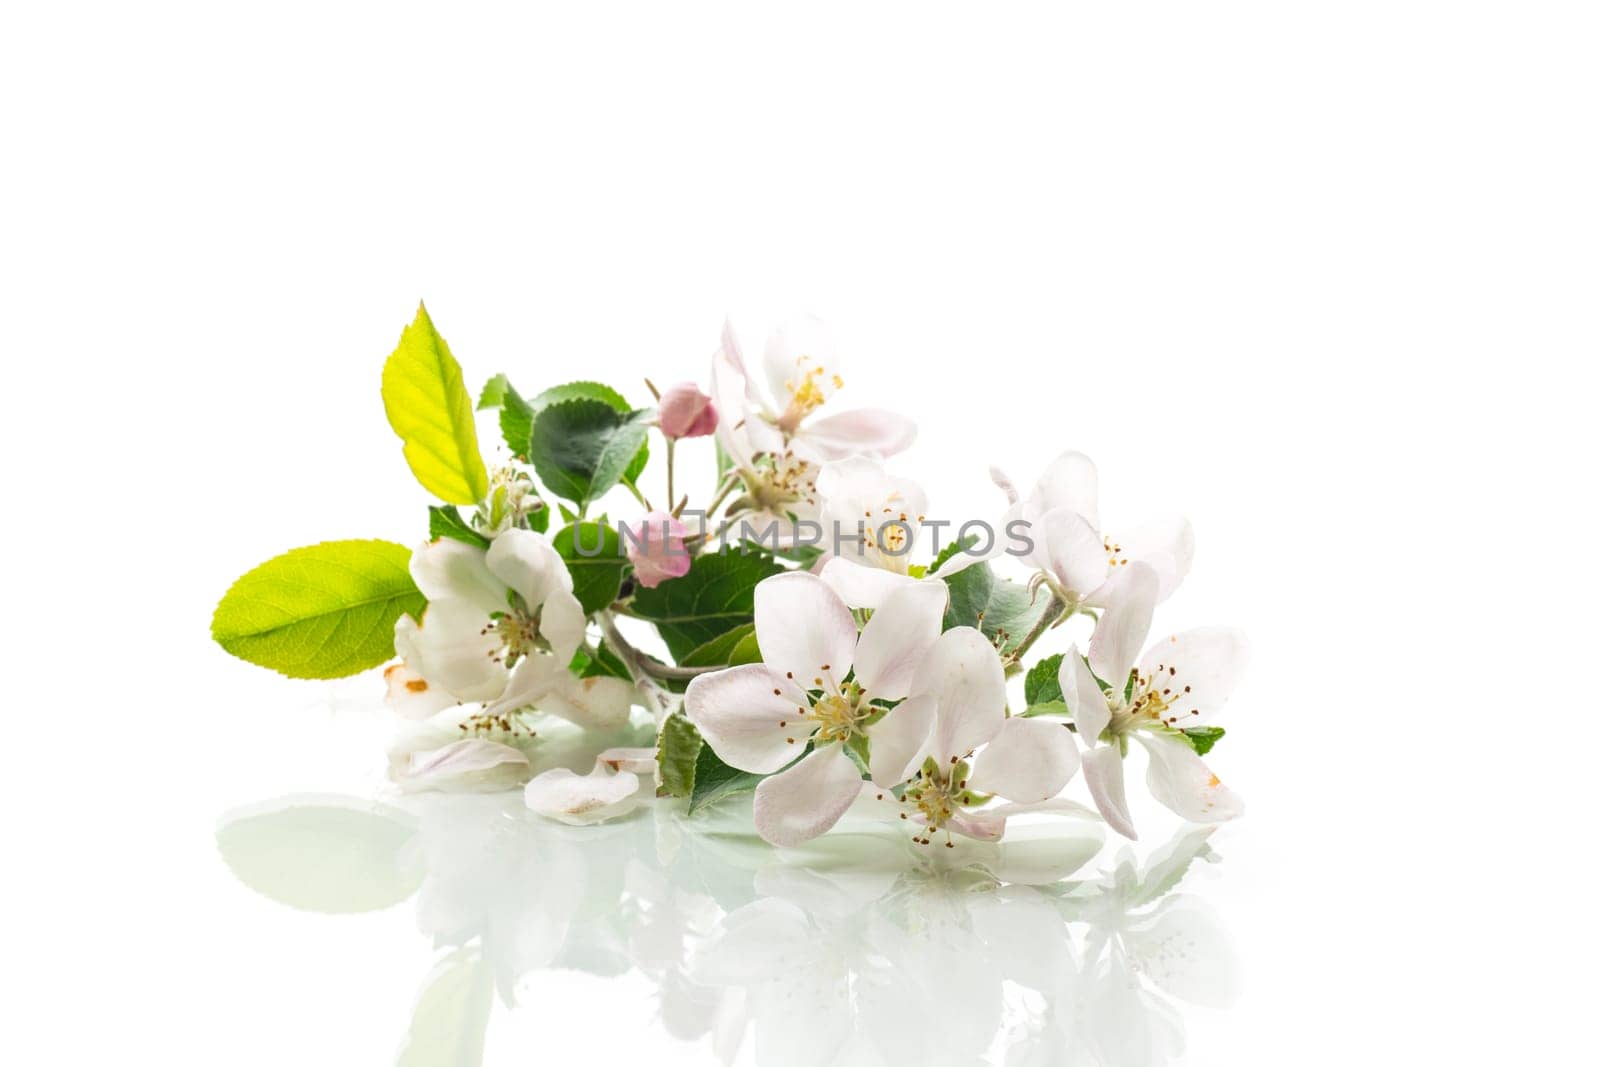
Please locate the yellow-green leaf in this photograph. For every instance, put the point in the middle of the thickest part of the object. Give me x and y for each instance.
(431, 411)
(324, 611)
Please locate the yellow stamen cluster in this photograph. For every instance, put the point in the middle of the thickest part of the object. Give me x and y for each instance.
(1159, 696)
(519, 636)
(838, 716)
(807, 390)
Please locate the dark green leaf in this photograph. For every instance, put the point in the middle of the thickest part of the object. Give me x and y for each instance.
(714, 780)
(605, 394)
(594, 556)
(717, 595)
(677, 753)
(994, 605)
(581, 448)
(447, 522)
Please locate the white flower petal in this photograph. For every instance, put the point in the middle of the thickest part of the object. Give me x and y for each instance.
(581, 799)
(448, 569)
(592, 703)
(528, 564)
(962, 672)
(800, 353)
(1167, 545)
(736, 410)
(808, 798)
(641, 761)
(471, 765)
(1083, 697)
(562, 624)
(410, 695)
(1102, 770)
(534, 678)
(865, 431)
(1209, 661)
(1003, 482)
(1028, 761)
(450, 649)
(896, 637)
(1121, 631)
(805, 630)
(738, 712)
(1071, 549)
(861, 585)
(989, 822)
(900, 740)
(1179, 779)
(1070, 482)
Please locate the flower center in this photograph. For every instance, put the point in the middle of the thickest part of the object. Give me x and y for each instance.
(936, 793)
(783, 480)
(1160, 696)
(1114, 556)
(807, 390)
(519, 635)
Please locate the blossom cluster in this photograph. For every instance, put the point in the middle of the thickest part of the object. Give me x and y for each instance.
(793, 634)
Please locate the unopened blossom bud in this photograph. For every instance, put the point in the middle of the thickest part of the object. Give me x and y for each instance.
(655, 547)
(687, 412)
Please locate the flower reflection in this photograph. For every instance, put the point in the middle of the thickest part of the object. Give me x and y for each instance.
(854, 949)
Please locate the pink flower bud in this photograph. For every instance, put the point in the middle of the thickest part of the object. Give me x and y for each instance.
(655, 547)
(687, 412)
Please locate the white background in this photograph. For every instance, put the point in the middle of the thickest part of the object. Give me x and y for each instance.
(1321, 277)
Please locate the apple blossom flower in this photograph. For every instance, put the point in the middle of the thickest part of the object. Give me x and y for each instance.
(488, 610)
(803, 371)
(1179, 683)
(685, 411)
(494, 642)
(769, 434)
(1063, 517)
(757, 717)
(955, 707)
(655, 547)
(873, 518)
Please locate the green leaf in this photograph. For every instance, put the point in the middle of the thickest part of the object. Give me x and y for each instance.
(714, 780)
(516, 426)
(1203, 738)
(731, 649)
(494, 392)
(581, 448)
(717, 595)
(594, 556)
(677, 751)
(994, 605)
(603, 664)
(430, 410)
(325, 611)
(447, 522)
(605, 394)
(1047, 707)
(1043, 681)
(948, 551)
